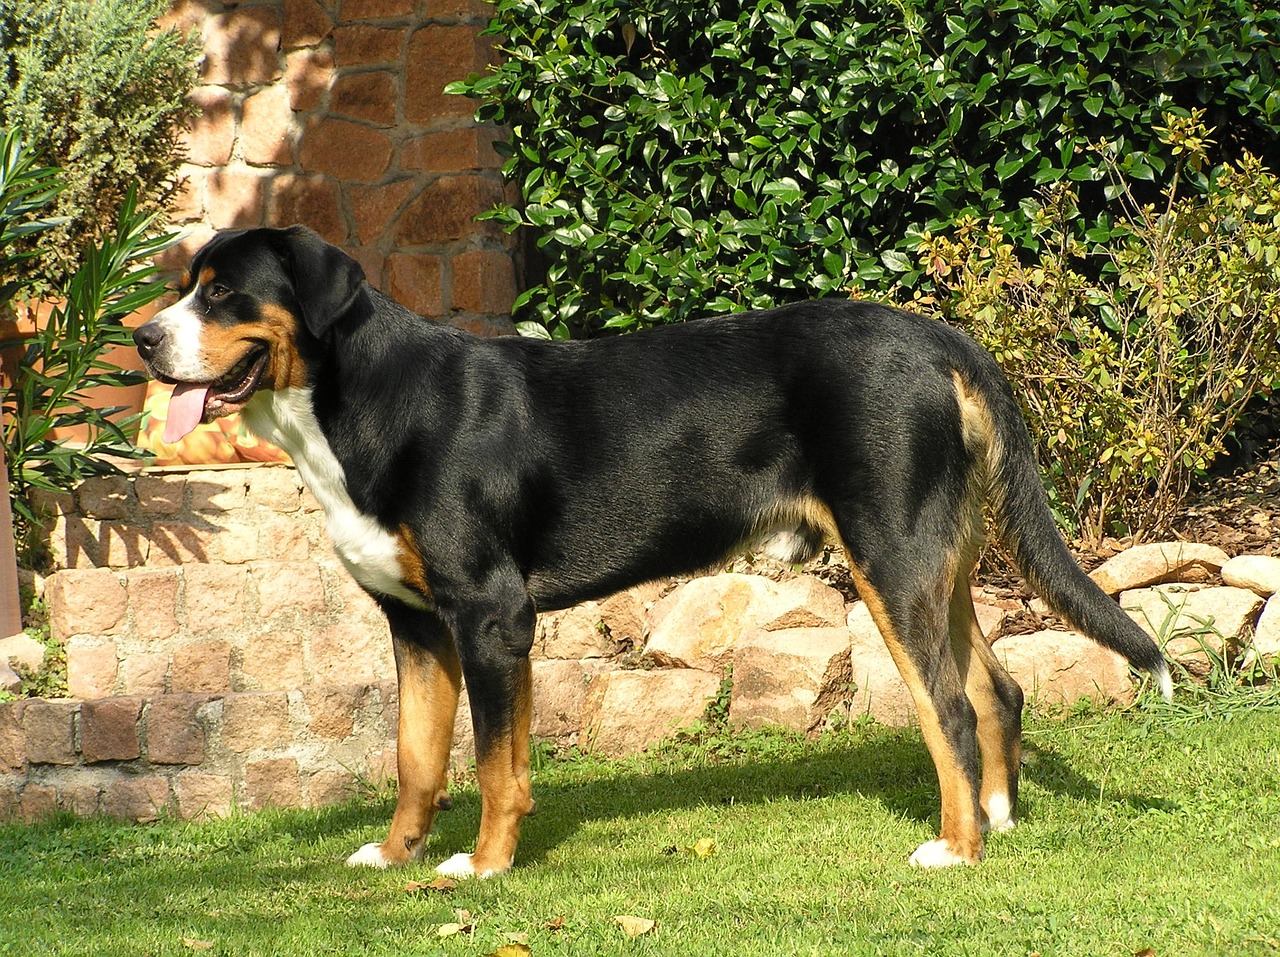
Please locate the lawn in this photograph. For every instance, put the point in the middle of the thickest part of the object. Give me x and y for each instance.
(1154, 831)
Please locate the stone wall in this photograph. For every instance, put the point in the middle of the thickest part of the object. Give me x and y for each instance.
(333, 115)
(221, 657)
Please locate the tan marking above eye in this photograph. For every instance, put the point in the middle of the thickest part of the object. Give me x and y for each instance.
(206, 276)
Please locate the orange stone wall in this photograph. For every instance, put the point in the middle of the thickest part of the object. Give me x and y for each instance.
(332, 113)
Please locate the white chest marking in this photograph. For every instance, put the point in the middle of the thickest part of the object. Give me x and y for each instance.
(370, 552)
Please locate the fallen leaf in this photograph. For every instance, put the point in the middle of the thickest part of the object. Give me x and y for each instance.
(555, 924)
(705, 847)
(635, 926)
(516, 937)
(512, 950)
(441, 885)
(1145, 952)
(448, 930)
(195, 944)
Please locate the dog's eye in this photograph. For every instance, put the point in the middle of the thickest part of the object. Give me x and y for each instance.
(218, 291)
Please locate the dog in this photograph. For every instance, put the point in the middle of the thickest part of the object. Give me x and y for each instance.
(470, 483)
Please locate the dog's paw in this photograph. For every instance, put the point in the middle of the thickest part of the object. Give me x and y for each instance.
(462, 866)
(369, 856)
(999, 815)
(937, 854)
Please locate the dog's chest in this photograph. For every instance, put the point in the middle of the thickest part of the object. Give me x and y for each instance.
(381, 560)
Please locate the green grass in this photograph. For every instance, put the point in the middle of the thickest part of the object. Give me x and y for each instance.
(1155, 828)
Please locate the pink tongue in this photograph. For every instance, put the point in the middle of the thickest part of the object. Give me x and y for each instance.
(186, 409)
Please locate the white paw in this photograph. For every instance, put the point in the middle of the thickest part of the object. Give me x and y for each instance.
(935, 854)
(999, 814)
(368, 856)
(458, 866)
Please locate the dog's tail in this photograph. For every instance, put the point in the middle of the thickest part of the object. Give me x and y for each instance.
(1026, 527)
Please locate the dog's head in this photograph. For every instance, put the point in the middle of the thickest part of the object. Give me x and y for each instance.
(249, 307)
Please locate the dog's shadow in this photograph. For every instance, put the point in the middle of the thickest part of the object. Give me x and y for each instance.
(893, 769)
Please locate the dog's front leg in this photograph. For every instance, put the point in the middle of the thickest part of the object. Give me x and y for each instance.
(429, 678)
(499, 679)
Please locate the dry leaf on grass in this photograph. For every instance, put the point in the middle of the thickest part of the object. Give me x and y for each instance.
(453, 927)
(556, 923)
(705, 847)
(512, 950)
(195, 944)
(635, 926)
(440, 885)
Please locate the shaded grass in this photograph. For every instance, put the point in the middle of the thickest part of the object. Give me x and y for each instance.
(1138, 832)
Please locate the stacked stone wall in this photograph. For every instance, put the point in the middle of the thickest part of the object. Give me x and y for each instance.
(333, 115)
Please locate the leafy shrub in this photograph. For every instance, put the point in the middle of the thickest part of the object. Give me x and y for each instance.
(63, 359)
(1130, 382)
(682, 157)
(101, 94)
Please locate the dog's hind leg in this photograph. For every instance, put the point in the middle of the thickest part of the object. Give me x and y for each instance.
(499, 676)
(910, 607)
(429, 678)
(997, 699)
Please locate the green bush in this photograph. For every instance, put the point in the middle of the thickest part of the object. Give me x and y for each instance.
(63, 358)
(1131, 382)
(683, 157)
(101, 94)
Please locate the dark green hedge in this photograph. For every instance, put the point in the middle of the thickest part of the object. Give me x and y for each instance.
(682, 157)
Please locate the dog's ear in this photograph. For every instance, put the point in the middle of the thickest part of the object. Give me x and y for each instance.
(328, 283)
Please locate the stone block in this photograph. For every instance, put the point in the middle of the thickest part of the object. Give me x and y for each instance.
(414, 280)
(452, 151)
(153, 600)
(80, 799)
(49, 729)
(200, 795)
(307, 23)
(177, 543)
(357, 10)
(215, 492)
(283, 538)
(236, 542)
(560, 691)
(312, 199)
(37, 802)
(144, 673)
(697, 625)
(265, 127)
(254, 720)
(160, 494)
(1057, 668)
(878, 688)
(201, 666)
(1155, 563)
(211, 134)
(446, 209)
(22, 650)
(174, 733)
(214, 597)
(275, 487)
(109, 729)
(307, 75)
(437, 55)
(13, 740)
(241, 46)
(88, 601)
(143, 798)
(343, 654)
(375, 209)
(368, 96)
(327, 148)
(330, 787)
(289, 588)
(628, 711)
(332, 710)
(794, 678)
(362, 45)
(1258, 573)
(272, 662)
(271, 782)
(107, 496)
(122, 545)
(235, 198)
(484, 280)
(1194, 624)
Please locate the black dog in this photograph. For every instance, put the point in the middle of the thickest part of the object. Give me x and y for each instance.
(470, 483)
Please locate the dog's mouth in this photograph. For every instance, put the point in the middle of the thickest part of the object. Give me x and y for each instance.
(196, 402)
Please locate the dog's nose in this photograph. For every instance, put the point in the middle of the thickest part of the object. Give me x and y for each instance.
(147, 337)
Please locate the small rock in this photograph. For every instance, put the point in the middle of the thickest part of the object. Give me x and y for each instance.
(697, 625)
(1155, 563)
(627, 711)
(793, 678)
(1264, 649)
(1058, 668)
(1258, 573)
(9, 680)
(1193, 623)
(22, 649)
